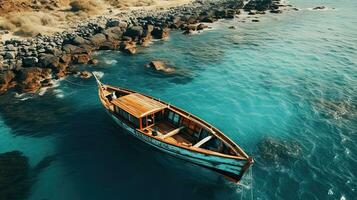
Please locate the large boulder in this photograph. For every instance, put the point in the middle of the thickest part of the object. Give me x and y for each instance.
(48, 60)
(113, 34)
(98, 39)
(29, 61)
(160, 33)
(109, 45)
(71, 49)
(135, 32)
(81, 58)
(78, 40)
(29, 79)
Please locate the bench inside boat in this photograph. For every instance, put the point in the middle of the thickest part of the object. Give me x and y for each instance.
(155, 118)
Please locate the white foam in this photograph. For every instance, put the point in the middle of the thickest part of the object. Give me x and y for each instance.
(110, 62)
(23, 96)
(99, 74)
(54, 84)
(58, 93)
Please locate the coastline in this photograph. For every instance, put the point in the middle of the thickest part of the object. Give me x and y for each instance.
(31, 64)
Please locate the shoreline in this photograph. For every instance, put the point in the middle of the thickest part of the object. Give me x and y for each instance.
(28, 65)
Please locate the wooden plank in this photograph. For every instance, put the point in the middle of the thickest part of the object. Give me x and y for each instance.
(203, 141)
(172, 133)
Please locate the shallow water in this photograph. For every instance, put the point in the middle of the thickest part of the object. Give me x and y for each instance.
(289, 78)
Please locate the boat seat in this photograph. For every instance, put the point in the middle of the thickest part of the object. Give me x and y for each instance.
(172, 133)
(203, 141)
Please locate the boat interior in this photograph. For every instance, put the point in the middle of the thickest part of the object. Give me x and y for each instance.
(162, 121)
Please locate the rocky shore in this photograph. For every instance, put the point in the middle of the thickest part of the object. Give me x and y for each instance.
(28, 65)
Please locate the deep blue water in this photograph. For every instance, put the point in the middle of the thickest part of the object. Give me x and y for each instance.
(291, 77)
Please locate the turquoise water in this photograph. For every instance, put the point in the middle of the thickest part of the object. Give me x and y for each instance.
(290, 77)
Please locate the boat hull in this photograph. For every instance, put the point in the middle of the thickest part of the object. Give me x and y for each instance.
(227, 166)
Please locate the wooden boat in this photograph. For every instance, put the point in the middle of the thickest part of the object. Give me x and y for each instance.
(174, 131)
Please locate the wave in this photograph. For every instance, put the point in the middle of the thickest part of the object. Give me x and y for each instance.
(110, 62)
(58, 93)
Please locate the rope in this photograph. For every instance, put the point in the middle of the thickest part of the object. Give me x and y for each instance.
(73, 83)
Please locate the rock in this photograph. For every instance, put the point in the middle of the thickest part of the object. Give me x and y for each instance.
(208, 20)
(10, 55)
(230, 13)
(146, 41)
(160, 33)
(201, 27)
(93, 62)
(98, 39)
(276, 11)
(30, 78)
(5, 80)
(319, 8)
(232, 27)
(109, 45)
(260, 5)
(65, 58)
(48, 60)
(128, 47)
(79, 40)
(81, 58)
(123, 25)
(114, 33)
(30, 61)
(70, 49)
(148, 29)
(160, 66)
(135, 32)
(60, 74)
(255, 20)
(85, 74)
(113, 23)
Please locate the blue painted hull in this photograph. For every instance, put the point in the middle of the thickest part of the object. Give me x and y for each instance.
(227, 166)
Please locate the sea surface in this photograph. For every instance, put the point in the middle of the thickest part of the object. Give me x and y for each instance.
(284, 89)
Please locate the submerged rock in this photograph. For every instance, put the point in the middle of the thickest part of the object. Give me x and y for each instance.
(276, 150)
(16, 176)
(160, 66)
(336, 109)
(85, 74)
(14, 171)
(319, 8)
